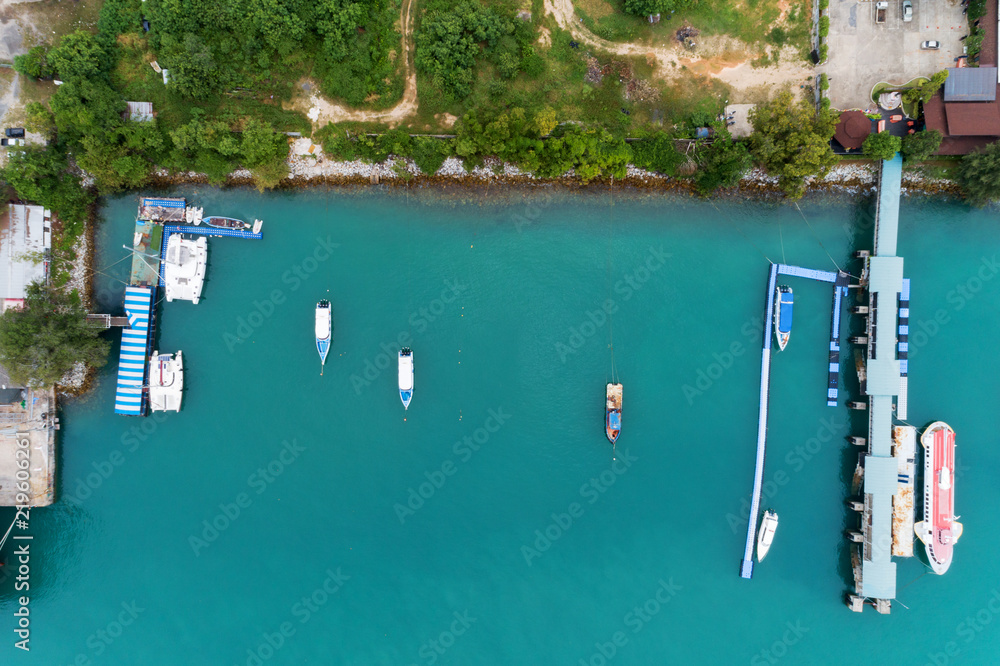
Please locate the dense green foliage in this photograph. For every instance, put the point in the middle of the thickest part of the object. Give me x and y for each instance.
(974, 42)
(34, 63)
(211, 48)
(792, 140)
(450, 38)
(657, 153)
(979, 175)
(722, 163)
(824, 26)
(881, 146)
(919, 146)
(924, 91)
(41, 342)
(43, 176)
(650, 7)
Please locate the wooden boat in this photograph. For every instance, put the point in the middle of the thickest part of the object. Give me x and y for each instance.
(226, 223)
(613, 412)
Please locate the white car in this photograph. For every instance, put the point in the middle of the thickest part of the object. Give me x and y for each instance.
(930, 45)
(907, 10)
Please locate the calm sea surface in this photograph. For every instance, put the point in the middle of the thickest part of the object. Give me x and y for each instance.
(285, 517)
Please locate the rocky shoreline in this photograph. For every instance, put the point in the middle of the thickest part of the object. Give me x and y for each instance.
(309, 171)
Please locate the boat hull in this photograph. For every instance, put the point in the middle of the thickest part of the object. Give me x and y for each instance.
(613, 412)
(406, 376)
(939, 531)
(166, 382)
(226, 223)
(783, 305)
(768, 526)
(324, 329)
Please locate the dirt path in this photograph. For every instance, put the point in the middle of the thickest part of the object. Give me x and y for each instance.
(745, 80)
(321, 111)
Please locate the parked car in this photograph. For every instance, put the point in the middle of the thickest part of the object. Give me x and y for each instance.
(930, 45)
(907, 10)
(14, 132)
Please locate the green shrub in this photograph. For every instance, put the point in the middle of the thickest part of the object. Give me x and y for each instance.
(429, 154)
(823, 52)
(881, 146)
(824, 26)
(657, 153)
(824, 82)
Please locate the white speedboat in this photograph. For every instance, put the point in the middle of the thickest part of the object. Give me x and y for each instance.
(257, 226)
(766, 535)
(184, 268)
(783, 303)
(406, 376)
(324, 331)
(166, 382)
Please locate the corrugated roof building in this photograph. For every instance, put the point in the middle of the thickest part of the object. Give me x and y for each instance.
(140, 112)
(26, 231)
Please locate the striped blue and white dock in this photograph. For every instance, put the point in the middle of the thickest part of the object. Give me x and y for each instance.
(129, 396)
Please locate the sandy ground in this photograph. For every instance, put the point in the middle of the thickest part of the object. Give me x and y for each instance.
(723, 58)
(322, 111)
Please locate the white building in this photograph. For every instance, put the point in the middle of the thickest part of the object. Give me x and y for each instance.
(25, 235)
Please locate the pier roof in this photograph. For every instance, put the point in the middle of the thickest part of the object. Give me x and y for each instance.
(887, 221)
(878, 569)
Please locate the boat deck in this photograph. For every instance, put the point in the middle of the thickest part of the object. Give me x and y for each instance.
(145, 269)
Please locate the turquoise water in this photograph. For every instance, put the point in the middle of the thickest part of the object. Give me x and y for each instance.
(363, 537)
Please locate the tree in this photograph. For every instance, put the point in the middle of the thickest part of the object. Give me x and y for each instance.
(979, 175)
(34, 63)
(79, 56)
(39, 119)
(448, 44)
(264, 153)
(792, 140)
(42, 175)
(924, 91)
(43, 340)
(919, 146)
(881, 146)
(723, 162)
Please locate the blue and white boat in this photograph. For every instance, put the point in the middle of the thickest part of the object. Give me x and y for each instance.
(324, 331)
(783, 302)
(406, 376)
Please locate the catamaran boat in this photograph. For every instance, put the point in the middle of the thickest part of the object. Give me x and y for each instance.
(613, 413)
(184, 268)
(324, 331)
(783, 302)
(406, 376)
(226, 223)
(768, 526)
(940, 529)
(166, 382)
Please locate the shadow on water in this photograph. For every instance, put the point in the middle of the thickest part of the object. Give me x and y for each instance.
(860, 231)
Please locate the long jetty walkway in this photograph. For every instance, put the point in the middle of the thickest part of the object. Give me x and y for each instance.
(840, 282)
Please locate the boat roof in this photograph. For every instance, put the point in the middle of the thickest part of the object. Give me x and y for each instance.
(615, 420)
(785, 316)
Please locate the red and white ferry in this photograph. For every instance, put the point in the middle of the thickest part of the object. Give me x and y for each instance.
(939, 530)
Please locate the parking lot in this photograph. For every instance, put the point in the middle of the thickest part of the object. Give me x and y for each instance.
(863, 52)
